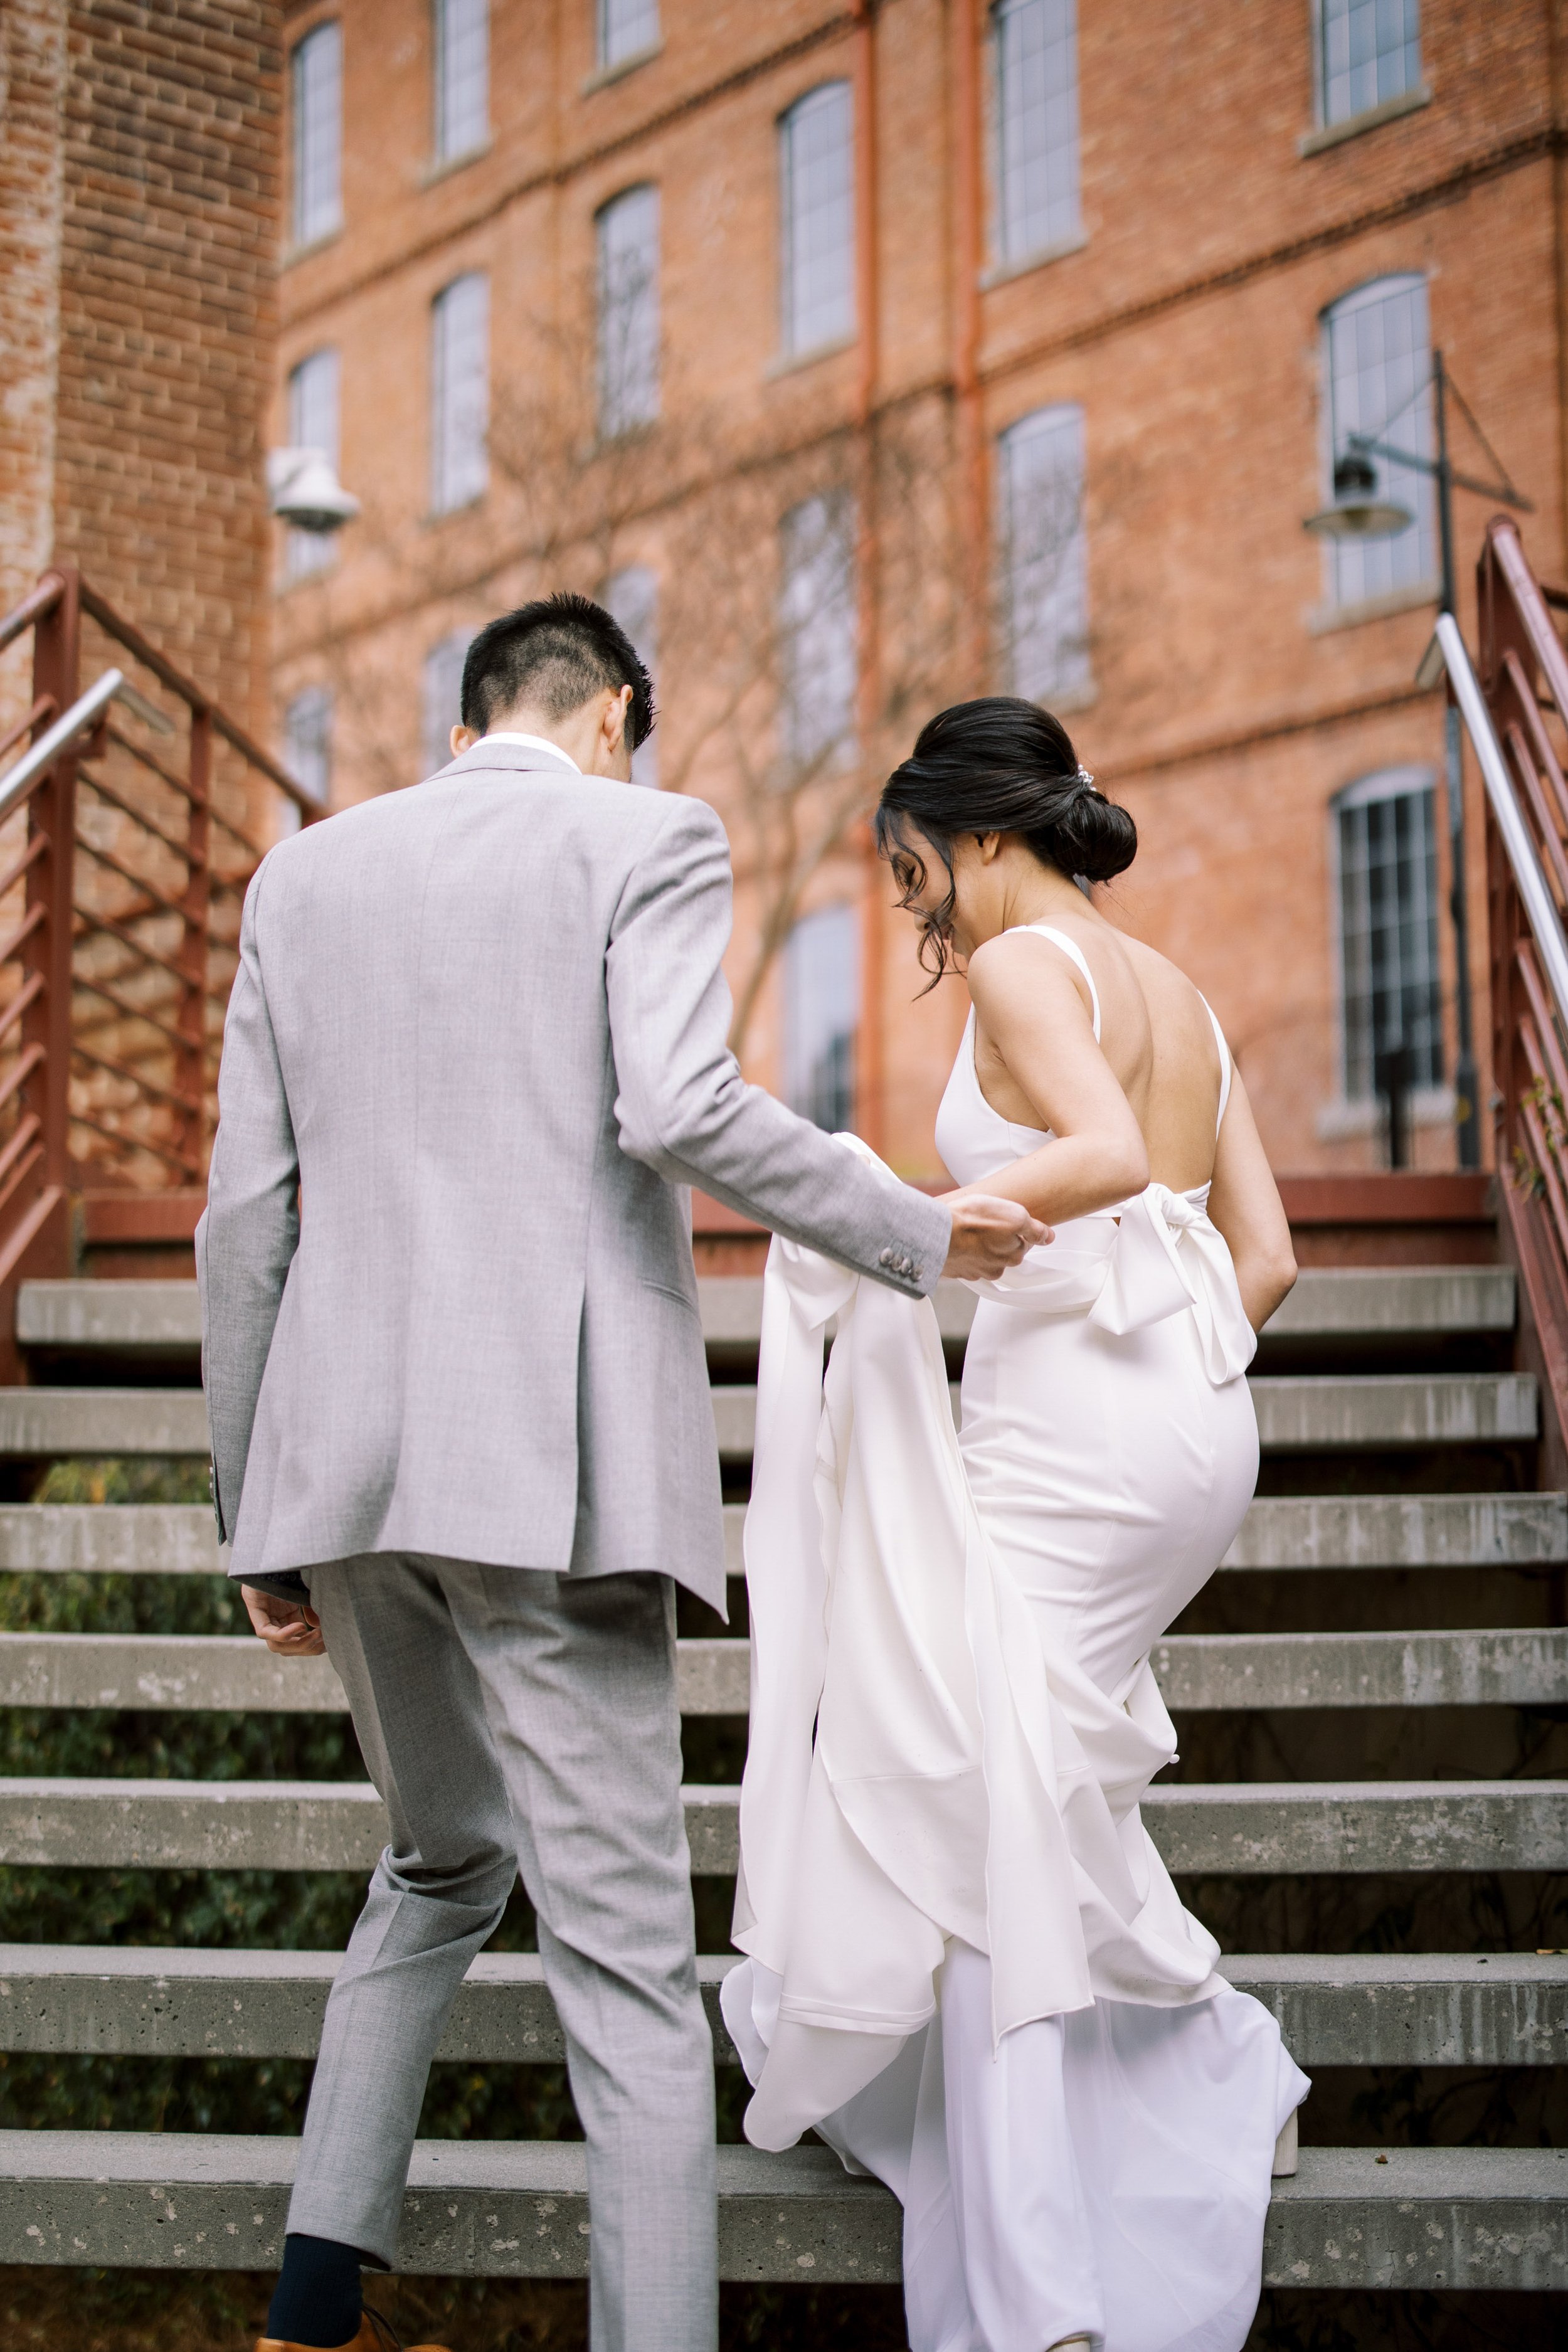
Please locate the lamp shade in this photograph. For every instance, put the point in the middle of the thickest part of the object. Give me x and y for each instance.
(304, 490)
(1358, 512)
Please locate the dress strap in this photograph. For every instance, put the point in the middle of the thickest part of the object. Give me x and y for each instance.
(1075, 954)
(1223, 1061)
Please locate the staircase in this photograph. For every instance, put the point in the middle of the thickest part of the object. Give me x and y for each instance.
(1400, 1442)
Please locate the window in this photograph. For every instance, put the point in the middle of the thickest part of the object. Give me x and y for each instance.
(1387, 851)
(822, 1009)
(817, 188)
(1036, 125)
(318, 107)
(1379, 367)
(632, 597)
(442, 696)
(460, 392)
(628, 311)
(1368, 52)
(626, 27)
(312, 425)
(1045, 568)
(462, 59)
(308, 741)
(818, 630)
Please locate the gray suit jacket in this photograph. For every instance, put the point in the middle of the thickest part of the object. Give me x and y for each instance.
(474, 1050)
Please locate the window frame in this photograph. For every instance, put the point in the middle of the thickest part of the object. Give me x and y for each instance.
(1005, 262)
(613, 420)
(786, 126)
(608, 62)
(442, 501)
(807, 750)
(304, 235)
(308, 553)
(1404, 780)
(801, 1087)
(1416, 426)
(1397, 102)
(441, 154)
(1074, 686)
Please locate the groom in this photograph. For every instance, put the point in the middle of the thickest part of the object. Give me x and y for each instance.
(460, 1420)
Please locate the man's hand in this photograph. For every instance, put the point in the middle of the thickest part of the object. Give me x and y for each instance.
(989, 1235)
(290, 1628)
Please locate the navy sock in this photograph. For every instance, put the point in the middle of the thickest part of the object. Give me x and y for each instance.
(316, 2299)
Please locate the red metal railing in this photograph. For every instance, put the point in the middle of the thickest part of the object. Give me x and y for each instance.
(123, 863)
(1523, 676)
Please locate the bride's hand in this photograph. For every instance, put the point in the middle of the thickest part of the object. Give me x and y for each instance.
(989, 1235)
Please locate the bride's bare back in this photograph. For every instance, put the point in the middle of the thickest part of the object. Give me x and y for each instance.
(1156, 1033)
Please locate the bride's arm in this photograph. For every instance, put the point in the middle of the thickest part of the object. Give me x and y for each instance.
(1031, 1009)
(1245, 1204)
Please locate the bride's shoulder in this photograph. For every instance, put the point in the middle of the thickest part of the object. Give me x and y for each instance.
(1017, 965)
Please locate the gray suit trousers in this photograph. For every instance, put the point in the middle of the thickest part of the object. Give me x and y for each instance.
(518, 1720)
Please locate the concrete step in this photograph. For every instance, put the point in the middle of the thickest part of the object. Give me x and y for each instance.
(108, 1538)
(1240, 1830)
(1411, 2218)
(1505, 2009)
(1304, 1412)
(1390, 1531)
(234, 1673)
(1357, 1301)
(1523, 1668)
(1279, 1531)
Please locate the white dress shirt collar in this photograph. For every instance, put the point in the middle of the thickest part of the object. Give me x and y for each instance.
(534, 742)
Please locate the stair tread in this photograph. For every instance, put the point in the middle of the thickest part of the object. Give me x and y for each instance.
(1279, 1531)
(1326, 1302)
(1443, 2009)
(1362, 2216)
(1242, 1829)
(1494, 1665)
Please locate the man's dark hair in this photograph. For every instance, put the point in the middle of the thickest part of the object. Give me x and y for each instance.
(553, 655)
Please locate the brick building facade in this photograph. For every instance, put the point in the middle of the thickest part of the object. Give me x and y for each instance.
(871, 355)
(139, 186)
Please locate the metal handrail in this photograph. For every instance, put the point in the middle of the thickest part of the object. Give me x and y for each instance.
(1545, 924)
(69, 728)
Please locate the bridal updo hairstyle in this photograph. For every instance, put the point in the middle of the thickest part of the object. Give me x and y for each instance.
(996, 765)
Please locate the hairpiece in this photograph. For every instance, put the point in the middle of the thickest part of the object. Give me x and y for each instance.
(1082, 777)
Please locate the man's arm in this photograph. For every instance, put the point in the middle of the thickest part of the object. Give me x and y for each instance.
(684, 1109)
(250, 1230)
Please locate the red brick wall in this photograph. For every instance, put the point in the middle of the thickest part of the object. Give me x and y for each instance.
(32, 84)
(1226, 712)
(168, 249)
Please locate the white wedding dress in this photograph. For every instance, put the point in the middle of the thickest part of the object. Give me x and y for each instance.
(966, 1964)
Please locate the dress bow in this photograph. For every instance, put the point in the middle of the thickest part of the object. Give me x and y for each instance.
(1167, 1255)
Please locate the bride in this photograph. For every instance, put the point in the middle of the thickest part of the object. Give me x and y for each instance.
(967, 1967)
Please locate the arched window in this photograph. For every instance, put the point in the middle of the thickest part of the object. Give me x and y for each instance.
(631, 597)
(312, 425)
(460, 392)
(1044, 562)
(461, 41)
(316, 104)
(1377, 363)
(1385, 842)
(822, 1013)
(628, 311)
(816, 208)
(1037, 126)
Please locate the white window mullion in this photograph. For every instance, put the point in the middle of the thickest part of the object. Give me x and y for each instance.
(1037, 126)
(1368, 52)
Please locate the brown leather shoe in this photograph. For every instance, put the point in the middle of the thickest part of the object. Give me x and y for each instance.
(375, 2336)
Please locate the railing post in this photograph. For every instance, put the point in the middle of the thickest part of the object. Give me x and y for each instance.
(191, 1080)
(56, 667)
